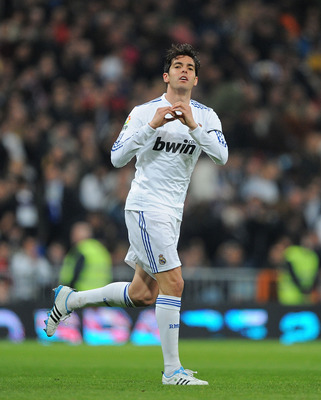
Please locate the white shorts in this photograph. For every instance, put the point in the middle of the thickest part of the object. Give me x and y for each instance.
(153, 239)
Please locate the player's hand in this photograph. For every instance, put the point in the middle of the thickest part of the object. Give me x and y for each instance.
(183, 112)
(159, 117)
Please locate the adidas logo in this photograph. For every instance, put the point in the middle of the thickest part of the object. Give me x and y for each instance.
(172, 147)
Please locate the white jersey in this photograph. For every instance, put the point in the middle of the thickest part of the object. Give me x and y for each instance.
(166, 156)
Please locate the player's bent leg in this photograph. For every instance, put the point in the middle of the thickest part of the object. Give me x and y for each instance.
(143, 290)
(114, 294)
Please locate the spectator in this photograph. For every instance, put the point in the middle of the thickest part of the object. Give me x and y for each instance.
(230, 254)
(96, 187)
(88, 263)
(5, 280)
(298, 276)
(55, 254)
(30, 272)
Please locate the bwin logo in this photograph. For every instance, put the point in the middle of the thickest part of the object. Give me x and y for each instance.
(174, 147)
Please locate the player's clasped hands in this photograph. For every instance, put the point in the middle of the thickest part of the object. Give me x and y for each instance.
(179, 110)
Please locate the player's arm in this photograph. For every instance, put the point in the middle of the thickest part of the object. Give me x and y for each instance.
(211, 139)
(135, 133)
(132, 136)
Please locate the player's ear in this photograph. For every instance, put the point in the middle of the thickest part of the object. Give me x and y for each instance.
(196, 81)
(165, 77)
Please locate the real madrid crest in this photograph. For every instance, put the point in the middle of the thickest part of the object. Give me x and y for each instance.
(161, 259)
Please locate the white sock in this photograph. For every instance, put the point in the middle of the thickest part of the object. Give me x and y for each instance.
(113, 295)
(168, 316)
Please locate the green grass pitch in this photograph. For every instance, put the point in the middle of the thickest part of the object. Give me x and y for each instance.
(235, 369)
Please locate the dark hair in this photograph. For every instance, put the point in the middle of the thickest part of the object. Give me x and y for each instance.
(184, 49)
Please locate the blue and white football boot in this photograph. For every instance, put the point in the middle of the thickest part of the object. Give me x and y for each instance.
(59, 311)
(182, 377)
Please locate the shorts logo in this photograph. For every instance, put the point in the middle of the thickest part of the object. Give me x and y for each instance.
(161, 259)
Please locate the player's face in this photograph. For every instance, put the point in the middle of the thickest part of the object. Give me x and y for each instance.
(181, 74)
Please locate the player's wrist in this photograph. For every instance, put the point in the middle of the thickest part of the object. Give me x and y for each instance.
(193, 127)
(152, 126)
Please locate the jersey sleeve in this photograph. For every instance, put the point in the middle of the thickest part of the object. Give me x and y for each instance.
(211, 139)
(132, 137)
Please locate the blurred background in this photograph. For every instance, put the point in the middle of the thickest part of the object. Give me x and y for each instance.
(70, 73)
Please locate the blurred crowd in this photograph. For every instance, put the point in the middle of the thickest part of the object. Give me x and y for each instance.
(70, 73)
